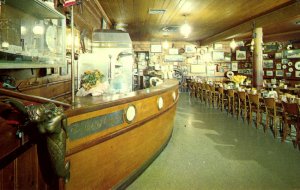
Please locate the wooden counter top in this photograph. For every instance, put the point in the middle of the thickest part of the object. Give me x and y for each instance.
(92, 103)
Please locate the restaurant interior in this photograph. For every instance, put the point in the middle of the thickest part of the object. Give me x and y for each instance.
(78, 78)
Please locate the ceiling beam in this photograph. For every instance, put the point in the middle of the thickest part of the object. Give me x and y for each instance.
(103, 13)
(277, 16)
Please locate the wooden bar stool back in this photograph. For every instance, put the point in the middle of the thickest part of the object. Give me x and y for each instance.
(255, 106)
(214, 95)
(272, 113)
(231, 101)
(242, 105)
(291, 116)
(222, 98)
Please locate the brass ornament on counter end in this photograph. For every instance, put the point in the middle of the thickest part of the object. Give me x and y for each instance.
(51, 122)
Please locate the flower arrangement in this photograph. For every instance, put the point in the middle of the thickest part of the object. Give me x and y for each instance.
(238, 79)
(91, 78)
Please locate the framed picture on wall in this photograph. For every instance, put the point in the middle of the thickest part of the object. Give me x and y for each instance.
(234, 66)
(218, 55)
(288, 74)
(297, 74)
(278, 66)
(293, 53)
(278, 55)
(190, 48)
(269, 73)
(268, 64)
(155, 48)
(218, 46)
(279, 73)
(240, 55)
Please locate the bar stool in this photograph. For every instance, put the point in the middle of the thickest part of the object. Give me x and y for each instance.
(222, 99)
(207, 94)
(214, 95)
(192, 89)
(255, 106)
(231, 101)
(242, 105)
(272, 113)
(291, 116)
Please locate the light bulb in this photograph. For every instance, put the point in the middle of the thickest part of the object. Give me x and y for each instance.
(233, 44)
(166, 45)
(185, 30)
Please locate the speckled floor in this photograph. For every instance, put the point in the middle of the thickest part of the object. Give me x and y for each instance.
(212, 150)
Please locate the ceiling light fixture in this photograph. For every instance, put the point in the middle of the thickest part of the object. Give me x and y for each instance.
(185, 29)
(233, 44)
(165, 44)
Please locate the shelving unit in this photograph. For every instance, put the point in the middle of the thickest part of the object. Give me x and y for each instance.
(25, 48)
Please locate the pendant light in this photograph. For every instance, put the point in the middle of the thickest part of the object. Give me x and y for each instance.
(185, 29)
(165, 44)
(233, 44)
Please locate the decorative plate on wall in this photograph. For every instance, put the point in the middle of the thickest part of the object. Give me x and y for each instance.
(290, 63)
(230, 74)
(284, 66)
(291, 69)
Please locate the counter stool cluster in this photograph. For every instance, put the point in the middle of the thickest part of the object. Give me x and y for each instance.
(281, 113)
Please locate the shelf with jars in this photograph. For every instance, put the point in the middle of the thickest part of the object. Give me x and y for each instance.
(32, 35)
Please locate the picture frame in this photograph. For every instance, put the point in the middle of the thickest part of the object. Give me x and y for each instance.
(279, 73)
(218, 46)
(190, 49)
(268, 64)
(288, 74)
(284, 61)
(155, 48)
(234, 66)
(265, 56)
(293, 53)
(269, 73)
(174, 58)
(297, 74)
(218, 55)
(198, 68)
(227, 56)
(240, 55)
(173, 51)
(278, 66)
(278, 55)
(270, 47)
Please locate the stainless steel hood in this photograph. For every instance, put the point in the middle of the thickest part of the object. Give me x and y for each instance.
(111, 38)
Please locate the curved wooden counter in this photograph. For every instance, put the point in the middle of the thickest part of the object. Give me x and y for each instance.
(104, 149)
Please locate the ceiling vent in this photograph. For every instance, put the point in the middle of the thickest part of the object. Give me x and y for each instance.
(156, 11)
(170, 28)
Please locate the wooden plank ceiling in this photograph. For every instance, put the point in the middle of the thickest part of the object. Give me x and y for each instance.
(211, 20)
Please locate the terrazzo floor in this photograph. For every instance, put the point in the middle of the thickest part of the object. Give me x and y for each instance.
(212, 150)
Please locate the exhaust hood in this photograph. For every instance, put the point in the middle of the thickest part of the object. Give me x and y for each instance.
(111, 38)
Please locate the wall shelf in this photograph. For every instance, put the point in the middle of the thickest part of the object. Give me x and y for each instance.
(25, 65)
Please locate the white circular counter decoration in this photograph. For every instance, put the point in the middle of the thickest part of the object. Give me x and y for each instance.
(160, 103)
(130, 113)
(174, 96)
